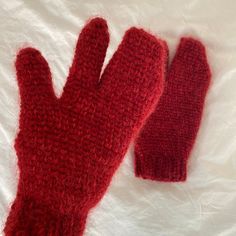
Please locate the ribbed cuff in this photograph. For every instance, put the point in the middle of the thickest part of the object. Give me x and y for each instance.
(160, 168)
(30, 218)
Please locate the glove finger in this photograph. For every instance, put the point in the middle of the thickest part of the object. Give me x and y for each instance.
(88, 60)
(34, 78)
(133, 80)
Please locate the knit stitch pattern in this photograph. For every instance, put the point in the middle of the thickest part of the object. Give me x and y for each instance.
(164, 144)
(69, 147)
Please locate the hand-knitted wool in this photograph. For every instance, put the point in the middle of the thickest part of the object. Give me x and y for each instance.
(68, 148)
(164, 144)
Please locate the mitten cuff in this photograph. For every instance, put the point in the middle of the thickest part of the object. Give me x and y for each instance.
(29, 217)
(160, 168)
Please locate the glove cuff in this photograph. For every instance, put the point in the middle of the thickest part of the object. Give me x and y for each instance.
(167, 169)
(29, 217)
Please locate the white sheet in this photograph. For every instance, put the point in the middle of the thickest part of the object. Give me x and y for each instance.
(206, 203)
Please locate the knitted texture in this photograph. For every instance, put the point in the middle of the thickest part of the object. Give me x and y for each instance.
(69, 147)
(165, 142)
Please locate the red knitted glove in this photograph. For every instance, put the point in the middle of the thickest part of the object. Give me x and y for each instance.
(165, 142)
(68, 148)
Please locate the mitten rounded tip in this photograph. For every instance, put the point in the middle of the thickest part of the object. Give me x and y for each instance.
(190, 47)
(191, 43)
(192, 53)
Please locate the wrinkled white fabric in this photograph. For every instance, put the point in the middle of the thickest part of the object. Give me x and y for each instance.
(206, 203)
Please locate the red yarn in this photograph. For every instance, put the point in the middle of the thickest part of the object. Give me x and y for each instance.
(68, 148)
(165, 142)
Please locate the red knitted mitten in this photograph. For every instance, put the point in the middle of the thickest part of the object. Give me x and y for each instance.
(165, 142)
(68, 148)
